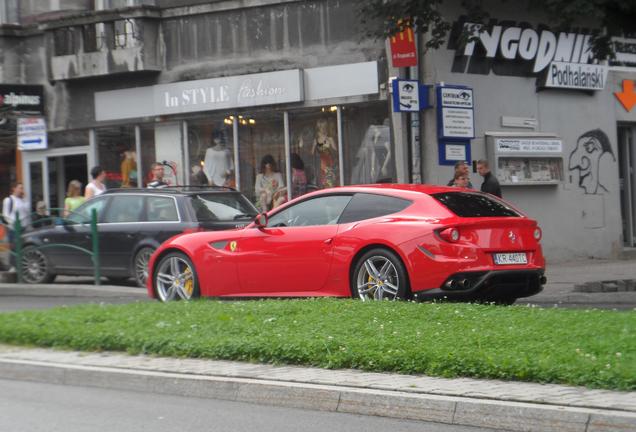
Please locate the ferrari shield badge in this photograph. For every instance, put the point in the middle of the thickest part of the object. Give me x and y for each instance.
(232, 246)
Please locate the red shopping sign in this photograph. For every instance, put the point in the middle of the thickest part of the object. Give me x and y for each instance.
(403, 51)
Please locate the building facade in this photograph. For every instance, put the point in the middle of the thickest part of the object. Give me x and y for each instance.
(217, 87)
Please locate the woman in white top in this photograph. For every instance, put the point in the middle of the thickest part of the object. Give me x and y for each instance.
(96, 186)
(267, 183)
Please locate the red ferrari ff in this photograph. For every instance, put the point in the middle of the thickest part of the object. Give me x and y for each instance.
(374, 242)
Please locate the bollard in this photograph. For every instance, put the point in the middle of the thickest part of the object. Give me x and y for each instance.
(17, 232)
(95, 239)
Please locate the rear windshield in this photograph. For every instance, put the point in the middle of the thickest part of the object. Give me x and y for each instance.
(474, 205)
(222, 207)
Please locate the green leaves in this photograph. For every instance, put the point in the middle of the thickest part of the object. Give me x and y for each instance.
(593, 348)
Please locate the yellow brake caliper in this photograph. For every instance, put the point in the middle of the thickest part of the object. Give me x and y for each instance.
(188, 286)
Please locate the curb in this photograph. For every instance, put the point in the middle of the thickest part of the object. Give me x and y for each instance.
(464, 411)
(54, 290)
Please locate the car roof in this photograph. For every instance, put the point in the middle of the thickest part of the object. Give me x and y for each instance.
(396, 189)
(174, 190)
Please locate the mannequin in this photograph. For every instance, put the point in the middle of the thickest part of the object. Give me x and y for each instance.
(268, 182)
(374, 156)
(325, 147)
(218, 163)
(128, 169)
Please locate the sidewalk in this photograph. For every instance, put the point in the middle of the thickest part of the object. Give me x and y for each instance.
(510, 406)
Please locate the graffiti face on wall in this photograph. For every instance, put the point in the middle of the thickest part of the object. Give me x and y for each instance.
(586, 159)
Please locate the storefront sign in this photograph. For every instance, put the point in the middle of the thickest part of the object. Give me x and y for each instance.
(576, 76)
(22, 98)
(513, 145)
(403, 49)
(229, 92)
(31, 132)
(455, 112)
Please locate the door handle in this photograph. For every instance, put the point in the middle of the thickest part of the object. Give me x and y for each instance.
(328, 241)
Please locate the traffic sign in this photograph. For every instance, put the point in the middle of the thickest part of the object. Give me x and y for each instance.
(32, 133)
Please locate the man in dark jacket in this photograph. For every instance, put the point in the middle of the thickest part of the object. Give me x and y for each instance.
(461, 167)
(490, 184)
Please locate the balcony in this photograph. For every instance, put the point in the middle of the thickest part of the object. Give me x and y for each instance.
(103, 43)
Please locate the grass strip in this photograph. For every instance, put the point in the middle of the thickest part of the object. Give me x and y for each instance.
(593, 348)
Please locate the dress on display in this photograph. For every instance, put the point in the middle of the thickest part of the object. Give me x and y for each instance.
(328, 163)
(373, 159)
(217, 164)
(265, 187)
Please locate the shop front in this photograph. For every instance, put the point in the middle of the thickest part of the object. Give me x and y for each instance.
(272, 135)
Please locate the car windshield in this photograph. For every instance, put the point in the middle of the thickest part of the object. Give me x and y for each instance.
(468, 205)
(222, 207)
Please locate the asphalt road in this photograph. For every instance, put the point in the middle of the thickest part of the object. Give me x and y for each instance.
(35, 407)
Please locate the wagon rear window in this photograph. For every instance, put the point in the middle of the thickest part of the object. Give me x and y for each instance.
(474, 205)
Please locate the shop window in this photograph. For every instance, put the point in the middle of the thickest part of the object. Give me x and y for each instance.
(314, 149)
(148, 153)
(368, 147)
(262, 159)
(210, 146)
(117, 156)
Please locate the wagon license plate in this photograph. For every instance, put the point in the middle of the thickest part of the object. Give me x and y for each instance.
(511, 258)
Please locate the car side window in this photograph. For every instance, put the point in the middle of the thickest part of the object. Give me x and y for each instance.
(83, 213)
(124, 208)
(161, 209)
(317, 211)
(367, 206)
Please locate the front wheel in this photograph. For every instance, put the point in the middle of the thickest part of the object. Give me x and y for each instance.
(35, 266)
(379, 275)
(176, 278)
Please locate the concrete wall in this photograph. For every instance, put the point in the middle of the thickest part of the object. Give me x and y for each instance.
(575, 223)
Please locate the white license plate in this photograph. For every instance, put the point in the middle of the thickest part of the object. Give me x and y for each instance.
(511, 258)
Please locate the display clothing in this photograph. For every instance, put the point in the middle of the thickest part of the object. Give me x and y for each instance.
(71, 203)
(373, 159)
(491, 185)
(128, 170)
(95, 188)
(217, 164)
(328, 162)
(265, 187)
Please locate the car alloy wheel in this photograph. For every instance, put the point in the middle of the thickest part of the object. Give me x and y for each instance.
(35, 266)
(141, 265)
(175, 278)
(380, 275)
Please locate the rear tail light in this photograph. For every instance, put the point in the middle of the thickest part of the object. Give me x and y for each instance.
(450, 235)
(537, 234)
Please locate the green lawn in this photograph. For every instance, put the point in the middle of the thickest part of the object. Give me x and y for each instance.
(594, 348)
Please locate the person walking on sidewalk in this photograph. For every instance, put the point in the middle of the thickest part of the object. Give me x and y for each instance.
(490, 184)
(157, 172)
(461, 167)
(13, 207)
(96, 186)
(73, 198)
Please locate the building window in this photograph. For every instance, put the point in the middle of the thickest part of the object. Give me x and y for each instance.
(211, 152)
(262, 158)
(368, 147)
(65, 41)
(117, 155)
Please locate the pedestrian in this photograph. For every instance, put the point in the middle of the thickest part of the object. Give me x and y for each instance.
(490, 184)
(73, 198)
(15, 207)
(461, 180)
(96, 186)
(156, 169)
(462, 168)
(41, 216)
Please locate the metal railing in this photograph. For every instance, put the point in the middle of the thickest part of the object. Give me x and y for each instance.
(16, 249)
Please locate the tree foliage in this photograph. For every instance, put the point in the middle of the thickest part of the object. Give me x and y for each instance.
(384, 18)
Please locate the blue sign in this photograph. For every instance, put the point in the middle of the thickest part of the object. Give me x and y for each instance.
(409, 96)
(455, 123)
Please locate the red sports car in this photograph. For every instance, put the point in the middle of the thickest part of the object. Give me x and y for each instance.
(374, 242)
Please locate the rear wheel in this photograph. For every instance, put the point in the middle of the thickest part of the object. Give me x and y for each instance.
(140, 264)
(176, 278)
(35, 266)
(379, 275)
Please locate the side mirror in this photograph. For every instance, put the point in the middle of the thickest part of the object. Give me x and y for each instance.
(261, 220)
